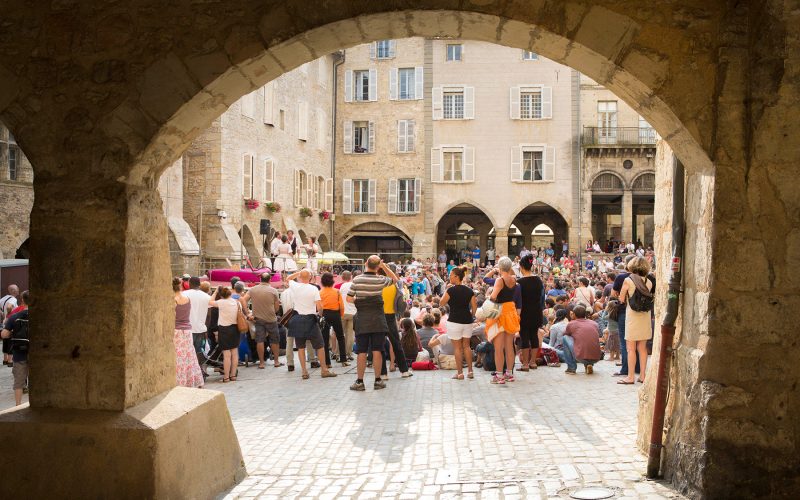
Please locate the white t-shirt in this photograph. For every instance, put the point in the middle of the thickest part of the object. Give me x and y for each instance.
(197, 315)
(305, 297)
(6, 304)
(228, 311)
(274, 247)
(349, 307)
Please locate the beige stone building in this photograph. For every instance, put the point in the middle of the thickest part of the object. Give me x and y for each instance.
(617, 183)
(16, 197)
(270, 149)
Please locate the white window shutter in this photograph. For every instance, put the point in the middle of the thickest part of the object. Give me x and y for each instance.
(269, 103)
(310, 182)
(348, 85)
(373, 196)
(514, 103)
(549, 163)
(469, 164)
(329, 195)
(436, 164)
(418, 78)
(547, 102)
(392, 196)
(469, 103)
(373, 50)
(348, 137)
(302, 121)
(269, 180)
(438, 108)
(417, 194)
(409, 136)
(393, 76)
(402, 126)
(392, 48)
(347, 196)
(371, 128)
(516, 163)
(297, 199)
(373, 85)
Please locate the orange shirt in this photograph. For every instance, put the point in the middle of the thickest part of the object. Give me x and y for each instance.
(332, 299)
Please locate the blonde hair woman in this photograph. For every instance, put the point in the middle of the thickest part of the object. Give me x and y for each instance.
(638, 324)
(501, 330)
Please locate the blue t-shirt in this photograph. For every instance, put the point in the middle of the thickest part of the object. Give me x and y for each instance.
(476, 254)
(450, 267)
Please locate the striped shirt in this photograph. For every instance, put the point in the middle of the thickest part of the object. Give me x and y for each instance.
(368, 285)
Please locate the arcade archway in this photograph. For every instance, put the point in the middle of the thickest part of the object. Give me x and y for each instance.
(460, 230)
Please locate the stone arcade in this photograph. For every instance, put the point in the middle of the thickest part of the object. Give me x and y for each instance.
(104, 97)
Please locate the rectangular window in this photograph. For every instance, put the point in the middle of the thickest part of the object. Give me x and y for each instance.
(532, 166)
(247, 177)
(406, 196)
(607, 121)
(361, 90)
(302, 197)
(530, 105)
(453, 165)
(407, 85)
(383, 49)
(360, 196)
(527, 55)
(453, 104)
(454, 51)
(360, 137)
(13, 162)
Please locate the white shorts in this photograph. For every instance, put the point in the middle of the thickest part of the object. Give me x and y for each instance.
(457, 331)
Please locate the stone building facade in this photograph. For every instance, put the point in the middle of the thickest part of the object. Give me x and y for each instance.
(617, 184)
(16, 197)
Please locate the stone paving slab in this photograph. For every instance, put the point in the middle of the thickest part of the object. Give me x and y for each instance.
(432, 437)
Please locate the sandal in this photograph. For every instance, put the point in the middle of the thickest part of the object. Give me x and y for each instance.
(524, 369)
(640, 381)
(226, 380)
(624, 382)
(458, 376)
(261, 367)
(470, 375)
(305, 376)
(328, 374)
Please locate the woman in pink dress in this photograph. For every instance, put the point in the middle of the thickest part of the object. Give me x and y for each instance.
(186, 367)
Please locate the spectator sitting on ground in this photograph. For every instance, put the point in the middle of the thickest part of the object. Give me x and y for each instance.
(427, 332)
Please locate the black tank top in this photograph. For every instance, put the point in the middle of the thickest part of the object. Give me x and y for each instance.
(506, 294)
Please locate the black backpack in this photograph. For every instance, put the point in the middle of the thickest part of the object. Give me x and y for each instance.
(642, 299)
(400, 305)
(19, 336)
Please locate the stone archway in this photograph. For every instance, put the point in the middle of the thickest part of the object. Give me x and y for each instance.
(463, 226)
(535, 214)
(323, 242)
(102, 119)
(252, 246)
(389, 241)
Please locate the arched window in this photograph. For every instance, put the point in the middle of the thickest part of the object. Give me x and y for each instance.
(645, 182)
(607, 182)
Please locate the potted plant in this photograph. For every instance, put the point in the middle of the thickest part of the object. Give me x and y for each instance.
(251, 204)
(273, 206)
(306, 212)
(324, 215)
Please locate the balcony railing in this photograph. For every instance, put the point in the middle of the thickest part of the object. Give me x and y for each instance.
(618, 136)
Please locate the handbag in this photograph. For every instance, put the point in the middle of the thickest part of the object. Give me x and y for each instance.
(241, 321)
(490, 309)
(286, 317)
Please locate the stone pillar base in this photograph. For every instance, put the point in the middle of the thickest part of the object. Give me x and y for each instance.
(179, 444)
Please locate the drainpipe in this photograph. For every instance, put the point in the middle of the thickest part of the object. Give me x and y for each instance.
(668, 326)
(338, 60)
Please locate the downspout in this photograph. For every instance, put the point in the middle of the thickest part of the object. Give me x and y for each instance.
(338, 60)
(668, 326)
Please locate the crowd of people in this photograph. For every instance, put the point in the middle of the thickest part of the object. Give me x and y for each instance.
(507, 316)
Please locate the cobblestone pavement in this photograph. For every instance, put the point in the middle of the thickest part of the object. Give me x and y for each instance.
(432, 437)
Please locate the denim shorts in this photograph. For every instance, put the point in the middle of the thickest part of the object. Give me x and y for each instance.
(366, 342)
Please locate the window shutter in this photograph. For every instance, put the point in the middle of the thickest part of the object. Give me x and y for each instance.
(371, 132)
(393, 76)
(269, 180)
(297, 188)
(347, 196)
(417, 194)
(409, 136)
(436, 98)
(348, 137)
(514, 103)
(547, 102)
(247, 176)
(373, 50)
(392, 48)
(348, 85)
(469, 164)
(373, 85)
(373, 195)
(418, 78)
(310, 181)
(469, 103)
(329, 195)
(392, 196)
(436, 164)
(549, 163)
(302, 121)
(402, 126)
(269, 103)
(516, 163)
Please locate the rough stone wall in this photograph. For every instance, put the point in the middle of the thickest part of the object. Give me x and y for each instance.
(16, 198)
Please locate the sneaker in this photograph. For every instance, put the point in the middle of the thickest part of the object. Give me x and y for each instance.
(509, 377)
(408, 374)
(315, 364)
(290, 368)
(379, 384)
(498, 379)
(569, 372)
(589, 369)
(358, 386)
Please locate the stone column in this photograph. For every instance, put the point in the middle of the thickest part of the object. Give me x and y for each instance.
(627, 215)
(501, 242)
